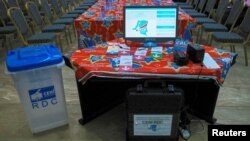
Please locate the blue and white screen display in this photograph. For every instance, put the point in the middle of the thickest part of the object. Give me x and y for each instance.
(150, 22)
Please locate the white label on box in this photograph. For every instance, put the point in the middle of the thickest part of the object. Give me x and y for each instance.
(152, 125)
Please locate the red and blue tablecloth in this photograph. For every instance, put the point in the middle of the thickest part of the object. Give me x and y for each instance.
(95, 61)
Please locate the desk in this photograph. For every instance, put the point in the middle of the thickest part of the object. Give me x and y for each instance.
(92, 25)
(101, 85)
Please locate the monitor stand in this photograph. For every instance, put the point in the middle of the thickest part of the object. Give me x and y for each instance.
(150, 44)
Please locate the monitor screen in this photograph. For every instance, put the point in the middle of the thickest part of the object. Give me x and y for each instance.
(150, 23)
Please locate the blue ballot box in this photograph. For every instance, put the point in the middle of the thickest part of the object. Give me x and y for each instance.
(37, 74)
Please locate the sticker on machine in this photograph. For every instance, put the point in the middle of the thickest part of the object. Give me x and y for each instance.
(42, 97)
(152, 125)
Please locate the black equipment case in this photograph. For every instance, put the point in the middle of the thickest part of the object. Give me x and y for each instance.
(153, 112)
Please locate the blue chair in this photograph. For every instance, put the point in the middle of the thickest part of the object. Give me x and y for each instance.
(24, 31)
(216, 18)
(50, 18)
(58, 12)
(40, 24)
(3, 13)
(192, 4)
(19, 4)
(235, 12)
(12, 3)
(22, 4)
(240, 37)
(209, 8)
(66, 6)
(188, 2)
(199, 11)
(199, 5)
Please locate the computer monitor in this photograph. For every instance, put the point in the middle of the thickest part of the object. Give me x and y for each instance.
(150, 24)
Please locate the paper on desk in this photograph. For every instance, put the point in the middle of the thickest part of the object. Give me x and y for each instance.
(209, 62)
(113, 49)
(124, 50)
(156, 52)
(140, 53)
(126, 62)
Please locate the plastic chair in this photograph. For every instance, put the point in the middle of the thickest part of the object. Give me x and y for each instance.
(234, 14)
(39, 23)
(24, 31)
(241, 37)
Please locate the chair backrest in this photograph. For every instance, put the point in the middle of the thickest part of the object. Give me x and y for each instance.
(235, 13)
(3, 12)
(80, 2)
(35, 14)
(37, 2)
(201, 5)
(244, 28)
(19, 21)
(190, 2)
(56, 8)
(22, 4)
(220, 11)
(46, 9)
(195, 3)
(64, 3)
(71, 2)
(210, 6)
(12, 3)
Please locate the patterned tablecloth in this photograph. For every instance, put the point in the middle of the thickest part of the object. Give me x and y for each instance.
(95, 27)
(95, 62)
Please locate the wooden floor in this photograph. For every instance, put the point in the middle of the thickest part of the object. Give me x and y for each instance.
(233, 107)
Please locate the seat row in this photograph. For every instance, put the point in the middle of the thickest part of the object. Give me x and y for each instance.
(41, 22)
